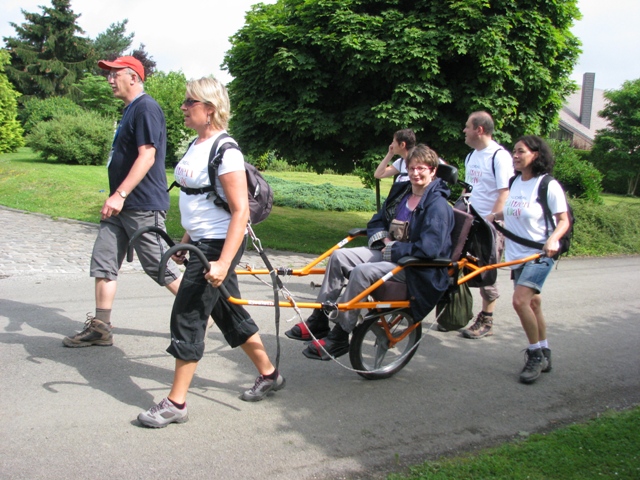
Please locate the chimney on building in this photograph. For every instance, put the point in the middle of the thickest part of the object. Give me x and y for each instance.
(586, 103)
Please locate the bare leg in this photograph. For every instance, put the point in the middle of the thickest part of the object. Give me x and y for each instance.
(184, 372)
(105, 292)
(256, 352)
(488, 307)
(526, 306)
(536, 306)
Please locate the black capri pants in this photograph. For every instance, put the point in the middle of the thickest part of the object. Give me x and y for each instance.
(196, 300)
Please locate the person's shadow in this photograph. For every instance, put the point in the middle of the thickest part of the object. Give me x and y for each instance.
(107, 369)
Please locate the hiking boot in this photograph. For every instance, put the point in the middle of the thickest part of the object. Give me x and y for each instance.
(546, 353)
(482, 327)
(534, 363)
(95, 332)
(163, 414)
(262, 387)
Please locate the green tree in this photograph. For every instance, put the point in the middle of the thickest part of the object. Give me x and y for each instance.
(147, 60)
(48, 56)
(579, 177)
(95, 94)
(616, 150)
(327, 83)
(10, 130)
(113, 42)
(168, 90)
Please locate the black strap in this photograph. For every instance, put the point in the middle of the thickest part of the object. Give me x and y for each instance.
(215, 159)
(213, 172)
(543, 191)
(493, 160)
(512, 236)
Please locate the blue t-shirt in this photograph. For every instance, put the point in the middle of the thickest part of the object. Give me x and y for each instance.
(142, 123)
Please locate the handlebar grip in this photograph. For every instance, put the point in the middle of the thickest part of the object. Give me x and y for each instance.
(141, 232)
(192, 248)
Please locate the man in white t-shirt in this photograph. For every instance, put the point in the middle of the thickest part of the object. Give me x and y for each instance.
(403, 141)
(488, 170)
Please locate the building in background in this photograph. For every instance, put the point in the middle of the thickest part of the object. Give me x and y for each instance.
(579, 119)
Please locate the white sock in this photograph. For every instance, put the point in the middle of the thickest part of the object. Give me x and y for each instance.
(544, 343)
(534, 346)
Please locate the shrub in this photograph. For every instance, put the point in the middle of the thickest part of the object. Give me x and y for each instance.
(321, 197)
(579, 177)
(83, 139)
(265, 160)
(10, 129)
(605, 230)
(281, 165)
(37, 110)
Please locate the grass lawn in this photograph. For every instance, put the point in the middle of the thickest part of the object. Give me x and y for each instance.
(614, 200)
(606, 447)
(78, 192)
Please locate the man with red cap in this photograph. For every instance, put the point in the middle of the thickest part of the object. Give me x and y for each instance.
(137, 198)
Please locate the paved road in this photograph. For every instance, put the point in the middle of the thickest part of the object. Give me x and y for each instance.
(70, 413)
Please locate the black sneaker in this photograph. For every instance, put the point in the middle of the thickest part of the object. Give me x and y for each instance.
(546, 353)
(534, 362)
(95, 332)
(262, 387)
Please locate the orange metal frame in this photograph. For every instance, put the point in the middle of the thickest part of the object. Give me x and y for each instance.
(468, 265)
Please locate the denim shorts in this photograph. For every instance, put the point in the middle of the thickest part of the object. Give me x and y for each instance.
(533, 274)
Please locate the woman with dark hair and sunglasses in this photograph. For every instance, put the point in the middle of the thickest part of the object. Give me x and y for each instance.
(415, 220)
(221, 236)
(523, 215)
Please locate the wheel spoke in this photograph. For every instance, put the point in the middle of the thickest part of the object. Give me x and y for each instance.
(370, 352)
(380, 353)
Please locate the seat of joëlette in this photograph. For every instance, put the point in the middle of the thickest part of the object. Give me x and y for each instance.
(393, 290)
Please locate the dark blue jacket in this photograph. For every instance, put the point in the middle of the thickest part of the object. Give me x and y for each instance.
(430, 229)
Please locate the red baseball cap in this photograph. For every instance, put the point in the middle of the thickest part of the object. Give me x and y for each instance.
(124, 62)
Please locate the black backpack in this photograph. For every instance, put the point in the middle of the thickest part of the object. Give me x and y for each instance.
(543, 192)
(260, 193)
(481, 244)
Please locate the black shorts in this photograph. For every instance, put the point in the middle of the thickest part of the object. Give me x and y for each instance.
(196, 300)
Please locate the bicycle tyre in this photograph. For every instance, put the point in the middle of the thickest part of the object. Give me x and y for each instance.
(369, 352)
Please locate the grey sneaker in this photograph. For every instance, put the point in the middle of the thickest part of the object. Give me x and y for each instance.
(163, 414)
(262, 387)
(95, 332)
(482, 327)
(534, 363)
(546, 353)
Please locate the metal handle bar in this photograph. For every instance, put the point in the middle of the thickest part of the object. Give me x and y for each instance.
(142, 231)
(201, 256)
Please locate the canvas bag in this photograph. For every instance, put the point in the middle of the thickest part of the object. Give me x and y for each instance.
(455, 309)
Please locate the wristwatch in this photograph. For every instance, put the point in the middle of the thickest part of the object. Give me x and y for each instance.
(122, 193)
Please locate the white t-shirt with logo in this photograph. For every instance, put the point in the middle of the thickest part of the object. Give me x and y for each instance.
(523, 215)
(479, 174)
(200, 217)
